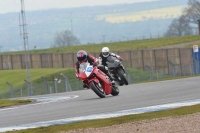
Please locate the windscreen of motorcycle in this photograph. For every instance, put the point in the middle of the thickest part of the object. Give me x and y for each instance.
(112, 62)
(86, 68)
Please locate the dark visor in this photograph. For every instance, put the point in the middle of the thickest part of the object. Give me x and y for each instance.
(105, 53)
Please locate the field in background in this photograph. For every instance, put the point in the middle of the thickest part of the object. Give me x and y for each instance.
(164, 13)
(118, 46)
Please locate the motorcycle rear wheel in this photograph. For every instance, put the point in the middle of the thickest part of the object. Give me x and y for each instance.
(97, 89)
(123, 78)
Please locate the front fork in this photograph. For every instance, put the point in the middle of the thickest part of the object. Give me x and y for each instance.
(115, 75)
(122, 67)
(96, 80)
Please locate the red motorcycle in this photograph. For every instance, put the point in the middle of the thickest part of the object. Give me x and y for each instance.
(96, 80)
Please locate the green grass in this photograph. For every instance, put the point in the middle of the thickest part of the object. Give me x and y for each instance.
(139, 76)
(117, 46)
(113, 121)
(6, 103)
(191, 45)
(17, 77)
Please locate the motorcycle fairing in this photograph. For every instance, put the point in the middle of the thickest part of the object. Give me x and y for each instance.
(82, 75)
(85, 72)
(106, 84)
(86, 68)
(88, 71)
(112, 62)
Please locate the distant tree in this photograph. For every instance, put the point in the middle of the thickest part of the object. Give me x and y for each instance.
(192, 11)
(179, 27)
(65, 38)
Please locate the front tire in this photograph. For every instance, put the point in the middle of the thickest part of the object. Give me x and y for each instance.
(97, 89)
(123, 78)
(119, 81)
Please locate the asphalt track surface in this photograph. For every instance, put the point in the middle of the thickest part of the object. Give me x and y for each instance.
(86, 102)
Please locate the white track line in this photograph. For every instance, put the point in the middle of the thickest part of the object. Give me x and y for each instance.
(104, 115)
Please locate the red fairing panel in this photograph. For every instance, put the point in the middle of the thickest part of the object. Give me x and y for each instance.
(82, 76)
(106, 84)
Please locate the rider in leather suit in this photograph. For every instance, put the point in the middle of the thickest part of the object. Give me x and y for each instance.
(82, 56)
(105, 53)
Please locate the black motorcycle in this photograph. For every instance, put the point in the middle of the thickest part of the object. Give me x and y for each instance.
(116, 69)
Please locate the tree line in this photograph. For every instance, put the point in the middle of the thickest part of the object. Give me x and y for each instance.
(185, 24)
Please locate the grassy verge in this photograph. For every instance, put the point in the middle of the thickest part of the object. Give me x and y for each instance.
(7, 103)
(114, 121)
(16, 77)
(20, 88)
(117, 46)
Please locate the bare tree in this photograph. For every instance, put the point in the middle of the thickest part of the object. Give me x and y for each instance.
(192, 11)
(179, 27)
(65, 38)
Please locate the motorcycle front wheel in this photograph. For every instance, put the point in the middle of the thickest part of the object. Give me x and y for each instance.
(123, 78)
(97, 89)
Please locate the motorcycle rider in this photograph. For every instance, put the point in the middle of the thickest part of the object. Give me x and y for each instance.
(105, 53)
(82, 56)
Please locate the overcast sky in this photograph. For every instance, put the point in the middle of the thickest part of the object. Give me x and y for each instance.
(15, 5)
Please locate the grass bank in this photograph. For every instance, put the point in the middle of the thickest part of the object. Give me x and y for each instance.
(117, 46)
(20, 88)
(16, 77)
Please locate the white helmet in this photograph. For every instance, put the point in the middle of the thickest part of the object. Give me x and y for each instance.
(105, 51)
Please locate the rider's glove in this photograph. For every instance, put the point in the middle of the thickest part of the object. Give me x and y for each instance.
(106, 67)
(96, 63)
(120, 58)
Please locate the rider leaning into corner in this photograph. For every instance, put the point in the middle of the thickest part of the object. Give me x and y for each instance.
(105, 53)
(82, 56)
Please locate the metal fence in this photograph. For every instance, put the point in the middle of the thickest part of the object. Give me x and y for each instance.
(133, 76)
(161, 74)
